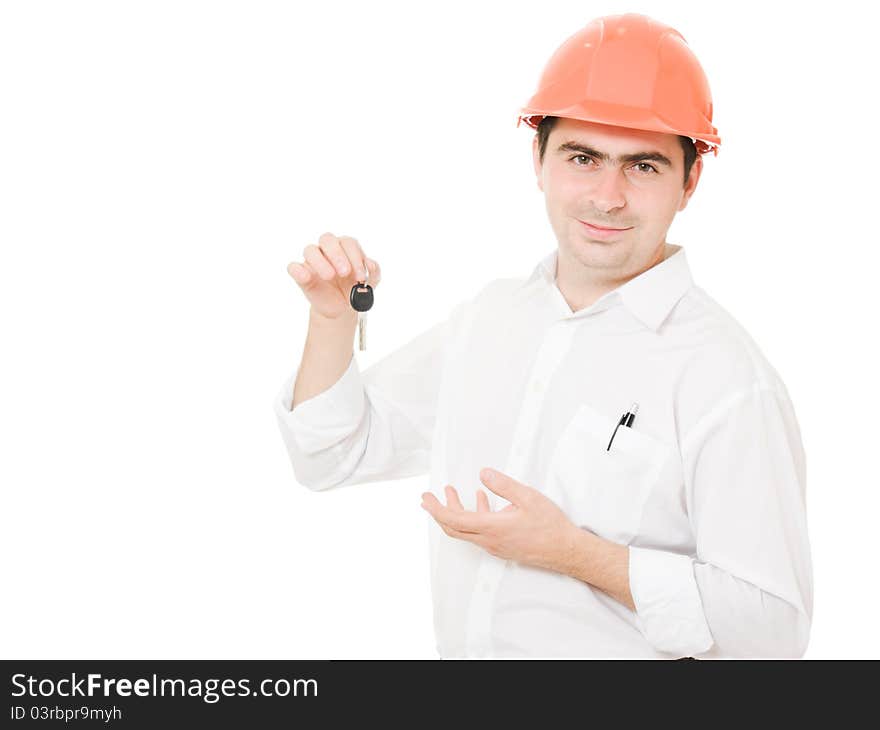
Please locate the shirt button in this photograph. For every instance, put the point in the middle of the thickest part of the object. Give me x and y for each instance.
(537, 386)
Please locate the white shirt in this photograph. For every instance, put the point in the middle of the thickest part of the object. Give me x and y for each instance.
(707, 487)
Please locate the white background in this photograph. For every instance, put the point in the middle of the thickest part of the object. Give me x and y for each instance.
(163, 162)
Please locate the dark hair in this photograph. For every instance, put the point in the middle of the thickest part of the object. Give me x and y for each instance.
(687, 145)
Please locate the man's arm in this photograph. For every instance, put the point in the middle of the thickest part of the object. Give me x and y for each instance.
(602, 563)
(326, 355)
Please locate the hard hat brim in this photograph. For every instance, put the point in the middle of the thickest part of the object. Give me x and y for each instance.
(615, 115)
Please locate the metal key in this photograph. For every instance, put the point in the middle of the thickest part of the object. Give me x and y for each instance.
(361, 299)
(362, 330)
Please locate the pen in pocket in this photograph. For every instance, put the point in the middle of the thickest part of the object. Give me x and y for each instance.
(625, 420)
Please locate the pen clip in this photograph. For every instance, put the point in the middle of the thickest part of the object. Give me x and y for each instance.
(619, 424)
(625, 420)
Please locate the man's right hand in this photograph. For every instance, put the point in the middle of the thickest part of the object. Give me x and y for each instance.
(329, 272)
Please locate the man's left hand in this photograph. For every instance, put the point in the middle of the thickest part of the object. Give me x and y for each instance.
(532, 529)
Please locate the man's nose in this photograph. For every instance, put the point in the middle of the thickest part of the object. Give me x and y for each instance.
(608, 189)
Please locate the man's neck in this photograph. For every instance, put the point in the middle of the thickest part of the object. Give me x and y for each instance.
(581, 294)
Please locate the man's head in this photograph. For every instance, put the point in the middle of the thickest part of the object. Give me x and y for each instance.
(614, 189)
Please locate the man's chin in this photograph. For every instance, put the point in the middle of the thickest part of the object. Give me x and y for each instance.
(600, 254)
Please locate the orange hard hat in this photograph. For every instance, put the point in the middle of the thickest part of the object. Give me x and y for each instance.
(627, 71)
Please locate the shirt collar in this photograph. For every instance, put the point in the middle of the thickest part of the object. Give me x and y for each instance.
(650, 296)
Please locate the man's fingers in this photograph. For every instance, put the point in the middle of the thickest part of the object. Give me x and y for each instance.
(482, 501)
(506, 486)
(462, 521)
(298, 272)
(375, 272)
(452, 499)
(474, 537)
(355, 255)
(314, 256)
(303, 274)
(331, 247)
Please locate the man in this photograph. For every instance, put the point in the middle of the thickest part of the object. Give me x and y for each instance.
(622, 469)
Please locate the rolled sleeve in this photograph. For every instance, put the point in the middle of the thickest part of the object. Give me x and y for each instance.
(325, 435)
(748, 590)
(669, 610)
(326, 419)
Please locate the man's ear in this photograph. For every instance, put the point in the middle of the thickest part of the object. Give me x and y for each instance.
(693, 179)
(536, 160)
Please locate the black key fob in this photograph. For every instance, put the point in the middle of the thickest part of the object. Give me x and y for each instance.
(361, 297)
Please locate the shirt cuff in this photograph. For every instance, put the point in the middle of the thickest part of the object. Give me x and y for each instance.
(327, 418)
(669, 610)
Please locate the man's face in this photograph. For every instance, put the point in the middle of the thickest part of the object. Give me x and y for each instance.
(642, 196)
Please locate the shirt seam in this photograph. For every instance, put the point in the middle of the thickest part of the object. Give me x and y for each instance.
(722, 406)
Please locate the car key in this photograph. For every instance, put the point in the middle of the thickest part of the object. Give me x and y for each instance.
(361, 299)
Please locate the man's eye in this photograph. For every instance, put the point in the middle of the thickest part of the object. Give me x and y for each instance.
(638, 164)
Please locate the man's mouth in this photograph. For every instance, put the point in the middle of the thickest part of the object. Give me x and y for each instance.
(601, 231)
(604, 228)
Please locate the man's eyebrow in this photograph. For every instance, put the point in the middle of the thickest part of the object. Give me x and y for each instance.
(652, 155)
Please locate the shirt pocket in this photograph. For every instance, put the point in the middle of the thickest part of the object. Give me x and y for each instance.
(604, 490)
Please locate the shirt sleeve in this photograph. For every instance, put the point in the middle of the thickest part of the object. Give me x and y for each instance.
(748, 592)
(373, 425)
